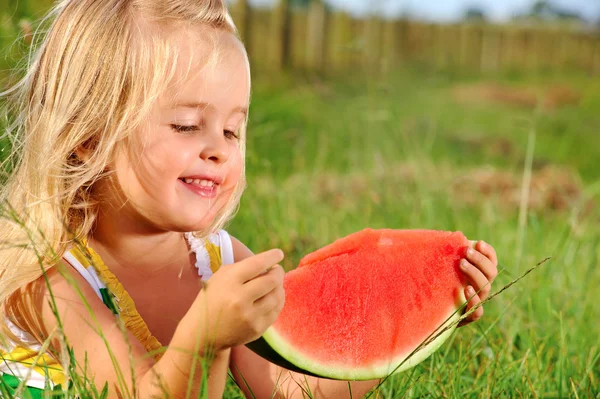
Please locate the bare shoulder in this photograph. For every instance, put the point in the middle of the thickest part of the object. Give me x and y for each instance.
(68, 293)
(90, 328)
(71, 303)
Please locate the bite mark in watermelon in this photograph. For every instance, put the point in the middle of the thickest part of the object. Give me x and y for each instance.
(357, 308)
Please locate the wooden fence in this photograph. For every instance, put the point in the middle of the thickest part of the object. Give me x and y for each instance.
(317, 39)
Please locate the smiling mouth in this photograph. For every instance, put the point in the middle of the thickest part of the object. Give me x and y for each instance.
(205, 188)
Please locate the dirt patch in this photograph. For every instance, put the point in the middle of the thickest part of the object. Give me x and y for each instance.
(548, 98)
(493, 146)
(552, 188)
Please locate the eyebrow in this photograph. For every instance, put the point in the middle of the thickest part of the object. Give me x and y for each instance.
(195, 105)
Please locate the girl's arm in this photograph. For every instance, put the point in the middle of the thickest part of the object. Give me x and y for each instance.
(114, 356)
(260, 378)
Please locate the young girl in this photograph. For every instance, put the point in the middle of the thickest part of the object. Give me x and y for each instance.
(131, 138)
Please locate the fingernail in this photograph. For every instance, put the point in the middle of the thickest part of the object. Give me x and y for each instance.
(464, 265)
(470, 251)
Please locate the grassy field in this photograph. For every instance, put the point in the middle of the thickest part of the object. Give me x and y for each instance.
(329, 157)
(420, 149)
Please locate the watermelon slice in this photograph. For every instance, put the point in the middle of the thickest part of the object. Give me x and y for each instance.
(358, 308)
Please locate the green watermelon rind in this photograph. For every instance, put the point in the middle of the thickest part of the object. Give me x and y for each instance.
(342, 372)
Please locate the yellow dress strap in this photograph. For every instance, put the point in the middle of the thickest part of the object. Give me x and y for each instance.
(211, 253)
(127, 310)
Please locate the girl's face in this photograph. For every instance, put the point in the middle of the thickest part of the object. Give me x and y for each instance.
(185, 162)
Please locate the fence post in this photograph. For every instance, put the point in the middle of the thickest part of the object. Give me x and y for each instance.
(596, 55)
(463, 48)
(545, 49)
(530, 49)
(491, 49)
(389, 44)
(297, 43)
(240, 13)
(279, 35)
(428, 43)
(372, 51)
(516, 50)
(439, 52)
(589, 48)
(401, 33)
(477, 47)
(339, 44)
(315, 43)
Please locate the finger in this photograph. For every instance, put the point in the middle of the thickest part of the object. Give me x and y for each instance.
(488, 251)
(256, 265)
(267, 309)
(482, 263)
(472, 301)
(271, 303)
(265, 283)
(476, 278)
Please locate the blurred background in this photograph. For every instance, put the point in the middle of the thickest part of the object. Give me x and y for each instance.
(474, 115)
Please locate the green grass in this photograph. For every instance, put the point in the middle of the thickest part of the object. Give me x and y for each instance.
(327, 158)
(330, 156)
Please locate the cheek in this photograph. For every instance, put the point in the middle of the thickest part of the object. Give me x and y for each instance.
(236, 164)
(164, 160)
(150, 171)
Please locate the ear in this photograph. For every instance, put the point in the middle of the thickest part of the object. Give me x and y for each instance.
(85, 150)
(83, 153)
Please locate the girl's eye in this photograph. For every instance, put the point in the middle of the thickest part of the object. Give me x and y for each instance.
(230, 134)
(184, 128)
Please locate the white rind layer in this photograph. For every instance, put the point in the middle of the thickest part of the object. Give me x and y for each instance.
(343, 372)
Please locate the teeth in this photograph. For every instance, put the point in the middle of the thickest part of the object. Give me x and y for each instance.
(201, 183)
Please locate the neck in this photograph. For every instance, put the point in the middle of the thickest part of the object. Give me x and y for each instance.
(135, 245)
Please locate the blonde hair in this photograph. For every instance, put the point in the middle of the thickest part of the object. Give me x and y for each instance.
(90, 84)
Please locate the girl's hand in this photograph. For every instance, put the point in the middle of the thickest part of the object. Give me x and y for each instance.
(239, 302)
(481, 268)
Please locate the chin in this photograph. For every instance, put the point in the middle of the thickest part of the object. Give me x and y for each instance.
(194, 223)
(191, 216)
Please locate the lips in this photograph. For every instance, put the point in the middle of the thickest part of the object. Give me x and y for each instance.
(204, 186)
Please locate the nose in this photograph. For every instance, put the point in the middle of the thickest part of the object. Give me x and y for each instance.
(215, 148)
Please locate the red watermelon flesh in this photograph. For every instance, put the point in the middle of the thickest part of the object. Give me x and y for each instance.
(357, 308)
